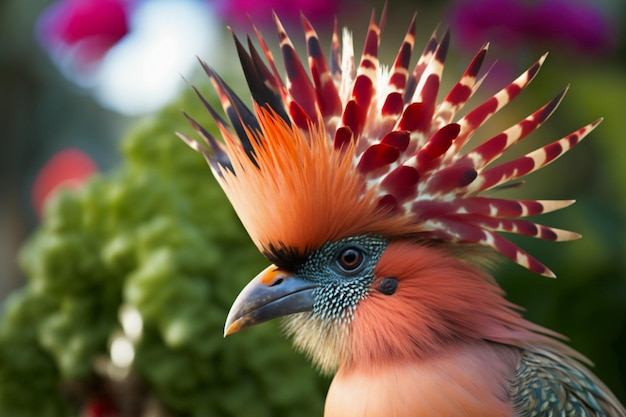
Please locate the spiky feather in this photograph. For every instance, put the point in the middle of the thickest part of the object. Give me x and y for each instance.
(355, 149)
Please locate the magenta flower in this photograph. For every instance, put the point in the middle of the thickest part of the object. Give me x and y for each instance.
(78, 33)
(129, 54)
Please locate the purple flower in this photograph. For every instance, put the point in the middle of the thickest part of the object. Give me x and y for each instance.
(581, 25)
(78, 33)
(576, 25)
(240, 12)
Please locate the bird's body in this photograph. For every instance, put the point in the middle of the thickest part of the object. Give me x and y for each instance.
(357, 186)
(465, 380)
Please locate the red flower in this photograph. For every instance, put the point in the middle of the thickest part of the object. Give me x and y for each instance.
(67, 168)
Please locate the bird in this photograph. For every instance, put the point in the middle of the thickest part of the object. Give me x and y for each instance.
(376, 205)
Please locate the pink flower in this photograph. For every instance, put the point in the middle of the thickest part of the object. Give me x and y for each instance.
(78, 33)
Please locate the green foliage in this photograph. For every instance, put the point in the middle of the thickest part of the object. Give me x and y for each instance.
(27, 372)
(156, 234)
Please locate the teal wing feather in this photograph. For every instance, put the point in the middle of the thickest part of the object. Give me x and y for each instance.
(547, 384)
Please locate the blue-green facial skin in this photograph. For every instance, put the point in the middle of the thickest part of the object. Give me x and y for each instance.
(339, 289)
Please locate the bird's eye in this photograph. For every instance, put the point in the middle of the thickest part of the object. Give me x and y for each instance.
(350, 259)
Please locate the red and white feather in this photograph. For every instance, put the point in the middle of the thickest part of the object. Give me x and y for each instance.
(412, 151)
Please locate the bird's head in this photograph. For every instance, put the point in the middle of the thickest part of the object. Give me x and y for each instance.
(356, 184)
(325, 288)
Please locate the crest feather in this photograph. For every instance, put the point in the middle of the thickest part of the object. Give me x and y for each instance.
(355, 149)
(299, 192)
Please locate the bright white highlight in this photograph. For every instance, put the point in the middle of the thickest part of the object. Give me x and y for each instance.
(132, 322)
(122, 352)
(143, 71)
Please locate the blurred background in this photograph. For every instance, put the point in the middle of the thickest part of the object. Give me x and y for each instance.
(90, 98)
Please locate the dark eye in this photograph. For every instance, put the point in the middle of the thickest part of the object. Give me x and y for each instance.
(350, 259)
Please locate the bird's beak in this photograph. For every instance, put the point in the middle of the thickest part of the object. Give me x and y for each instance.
(271, 294)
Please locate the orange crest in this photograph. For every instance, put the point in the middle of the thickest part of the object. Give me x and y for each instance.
(298, 192)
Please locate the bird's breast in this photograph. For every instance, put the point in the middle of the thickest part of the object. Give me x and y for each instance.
(465, 381)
